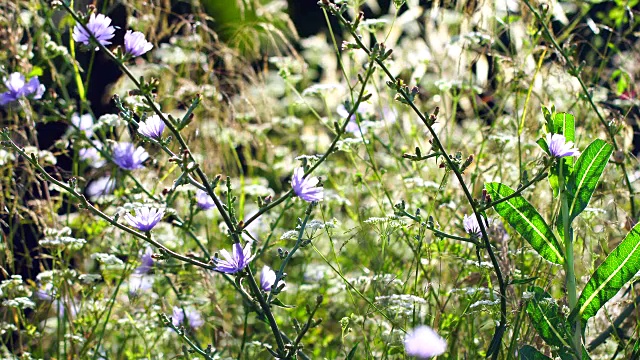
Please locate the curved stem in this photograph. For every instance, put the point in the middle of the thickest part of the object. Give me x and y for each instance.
(497, 338)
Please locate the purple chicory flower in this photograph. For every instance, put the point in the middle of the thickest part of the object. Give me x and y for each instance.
(194, 318)
(152, 127)
(423, 342)
(17, 87)
(232, 263)
(135, 44)
(146, 260)
(101, 186)
(98, 25)
(559, 147)
(83, 123)
(139, 283)
(128, 157)
(471, 225)
(145, 219)
(204, 201)
(306, 188)
(267, 278)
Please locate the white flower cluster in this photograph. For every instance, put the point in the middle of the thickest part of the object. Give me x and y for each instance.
(60, 240)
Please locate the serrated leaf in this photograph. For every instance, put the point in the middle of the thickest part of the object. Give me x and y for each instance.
(616, 270)
(530, 353)
(526, 220)
(584, 178)
(547, 319)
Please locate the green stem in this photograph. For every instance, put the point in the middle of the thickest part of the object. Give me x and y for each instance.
(575, 71)
(494, 346)
(569, 264)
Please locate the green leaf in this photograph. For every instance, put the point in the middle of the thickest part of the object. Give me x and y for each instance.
(562, 123)
(524, 218)
(584, 179)
(586, 174)
(279, 303)
(35, 71)
(547, 319)
(352, 353)
(616, 270)
(530, 353)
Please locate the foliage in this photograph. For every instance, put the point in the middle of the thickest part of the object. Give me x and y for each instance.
(389, 188)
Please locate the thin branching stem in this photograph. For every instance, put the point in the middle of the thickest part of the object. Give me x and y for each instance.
(497, 338)
(575, 71)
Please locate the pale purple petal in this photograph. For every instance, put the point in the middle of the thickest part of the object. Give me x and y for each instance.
(204, 201)
(128, 157)
(194, 318)
(145, 218)
(152, 127)
(17, 87)
(135, 44)
(559, 147)
(98, 25)
(423, 342)
(267, 278)
(232, 263)
(305, 188)
(471, 225)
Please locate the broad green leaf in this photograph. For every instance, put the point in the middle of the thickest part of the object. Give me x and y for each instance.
(524, 218)
(545, 316)
(616, 270)
(530, 353)
(562, 123)
(585, 176)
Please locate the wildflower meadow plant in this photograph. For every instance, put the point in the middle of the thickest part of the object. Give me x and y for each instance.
(424, 343)
(204, 200)
(145, 218)
(306, 188)
(129, 157)
(99, 26)
(135, 44)
(559, 147)
(109, 253)
(18, 87)
(267, 278)
(236, 261)
(152, 127)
